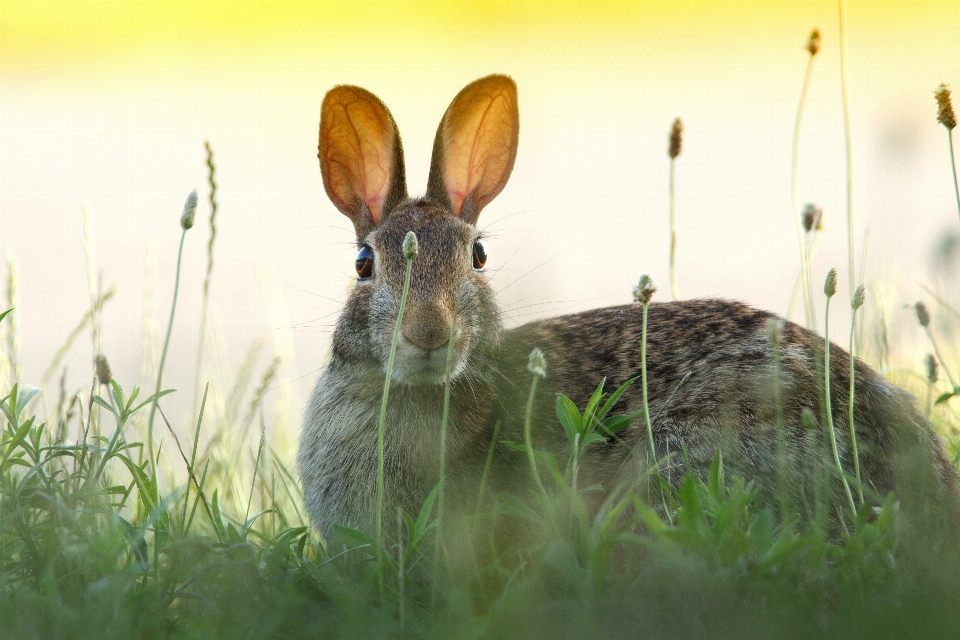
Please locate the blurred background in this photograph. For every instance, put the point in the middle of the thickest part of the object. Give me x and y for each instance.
(106, 105)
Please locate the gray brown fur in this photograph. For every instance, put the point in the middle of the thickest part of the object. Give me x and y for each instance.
(727, 401)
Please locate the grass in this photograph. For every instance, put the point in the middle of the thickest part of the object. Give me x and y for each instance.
(108, 530)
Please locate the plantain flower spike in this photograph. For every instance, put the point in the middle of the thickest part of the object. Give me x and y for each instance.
(812, 217)
(858, 295)
(537, 364)
(923, 316)
(189, 210)
(676, 138)
(644, 290)
(945, 114)
(410, 246)
(813, 42)
(932, 369)
(102, 369)
(830, 284)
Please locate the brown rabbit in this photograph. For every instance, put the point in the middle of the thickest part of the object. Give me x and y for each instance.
(723, 347)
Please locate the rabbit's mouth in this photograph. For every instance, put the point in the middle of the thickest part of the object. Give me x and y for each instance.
(415, 365)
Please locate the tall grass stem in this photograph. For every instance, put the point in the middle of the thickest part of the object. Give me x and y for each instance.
(529, 441)
(853, 389)
(826, 386)
(643, 384)
(378, 523)
(794, 197)
(673, 233)
(443, 457)
(163, 360)
(848, 155)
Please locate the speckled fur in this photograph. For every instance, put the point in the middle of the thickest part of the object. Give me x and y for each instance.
(727, 401)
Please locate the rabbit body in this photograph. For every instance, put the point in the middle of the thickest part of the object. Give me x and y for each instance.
(726, 401)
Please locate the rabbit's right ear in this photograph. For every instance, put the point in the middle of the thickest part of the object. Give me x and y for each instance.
(475, 147)
(361, 158)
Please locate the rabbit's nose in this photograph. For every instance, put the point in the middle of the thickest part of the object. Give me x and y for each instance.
(426, 325)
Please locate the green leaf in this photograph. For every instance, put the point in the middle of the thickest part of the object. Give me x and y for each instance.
(117, 392)
(354, 534)
(513, 446)
(614, 397)
(944, 397)
(138, 544)
(157, 395)
(569, 417)
(511, 505)
(590, 411)
(27, 393)
(4, 314)
(133, 396)
(419, 527)
(615, 424)
(103, 403)
(19, 436)
(591, 439)
(144, 485)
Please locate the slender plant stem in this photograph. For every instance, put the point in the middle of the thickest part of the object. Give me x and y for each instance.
(163, 360)
(527, 439)
(943, 363)
(826, 385)
(853, 388)
(401, 570)
(378, 524)
(781, 435)
(794, 198)
(487, 464)
(673, 234)
(643, 384)
(953, 166)
(443, 457)
(809, 251)
(846, 137)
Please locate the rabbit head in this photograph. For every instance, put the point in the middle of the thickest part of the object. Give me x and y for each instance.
(361, 159)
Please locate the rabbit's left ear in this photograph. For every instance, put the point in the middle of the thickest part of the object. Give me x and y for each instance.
(476, 146)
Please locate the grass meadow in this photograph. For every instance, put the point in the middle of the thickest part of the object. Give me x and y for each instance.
(112, 526)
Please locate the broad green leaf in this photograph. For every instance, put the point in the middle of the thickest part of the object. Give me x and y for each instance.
(591, 439)
(590, 411)
(569, 417)
(944, 397)
(615, 424)
(27, 393)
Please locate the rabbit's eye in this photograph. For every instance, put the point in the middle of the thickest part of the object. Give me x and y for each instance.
(479, 255)
(365, 262)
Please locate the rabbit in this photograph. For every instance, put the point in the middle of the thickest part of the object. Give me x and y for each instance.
(723, 348)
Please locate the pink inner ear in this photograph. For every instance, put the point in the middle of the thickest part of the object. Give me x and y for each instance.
(356, 151)
(480, 142)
